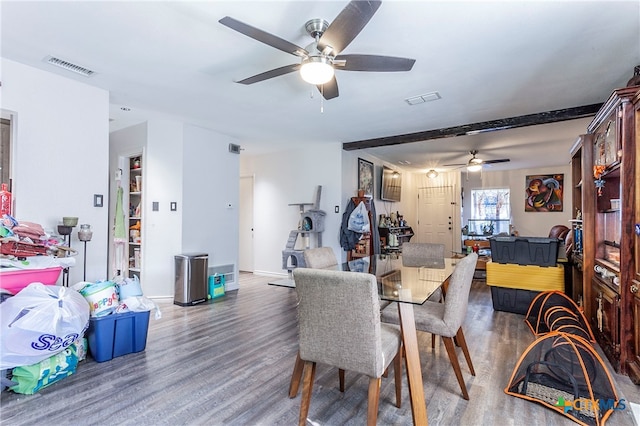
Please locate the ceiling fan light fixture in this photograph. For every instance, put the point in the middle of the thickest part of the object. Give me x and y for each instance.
(316, 70)
(432, 174)
(474, 167)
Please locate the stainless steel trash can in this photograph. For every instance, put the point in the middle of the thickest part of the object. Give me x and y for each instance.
(191, 278)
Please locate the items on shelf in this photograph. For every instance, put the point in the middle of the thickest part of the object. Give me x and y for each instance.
(394, 231)
(5, 200)
(135, 200)
(598, 170)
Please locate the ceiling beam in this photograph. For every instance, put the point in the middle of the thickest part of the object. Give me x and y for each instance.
(475, 128)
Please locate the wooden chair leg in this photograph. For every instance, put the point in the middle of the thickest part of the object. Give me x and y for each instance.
(295, 377)
(463, 344)
(307, 387)
(341, 378)
(451, 351)
(433, 336)
(397, 370)
(374, 395)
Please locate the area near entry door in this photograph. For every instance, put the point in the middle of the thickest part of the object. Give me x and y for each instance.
(436, 208)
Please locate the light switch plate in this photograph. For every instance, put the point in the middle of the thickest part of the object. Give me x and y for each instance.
(155, 206)
(97, 200)
(174, 206)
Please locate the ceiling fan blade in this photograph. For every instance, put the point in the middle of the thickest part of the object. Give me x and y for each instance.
(329, 90)
(374, 63)
(454, 165)
(502, 160)
(270, 74)
(347, 25)
(264, 37)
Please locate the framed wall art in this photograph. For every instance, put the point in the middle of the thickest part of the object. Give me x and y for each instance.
(544, 193)
(365, 177)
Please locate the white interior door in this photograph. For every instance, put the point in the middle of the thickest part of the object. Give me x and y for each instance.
(245, 260)
(435, 216)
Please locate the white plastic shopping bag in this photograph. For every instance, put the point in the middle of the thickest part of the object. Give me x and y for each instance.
(38, 322)
(359, 219)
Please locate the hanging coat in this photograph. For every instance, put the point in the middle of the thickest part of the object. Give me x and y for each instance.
(349, 239)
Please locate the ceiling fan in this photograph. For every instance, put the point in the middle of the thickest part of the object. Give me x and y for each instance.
(322, 57)
(475, 164)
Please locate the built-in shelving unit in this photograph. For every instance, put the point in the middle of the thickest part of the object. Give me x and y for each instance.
(135, 216)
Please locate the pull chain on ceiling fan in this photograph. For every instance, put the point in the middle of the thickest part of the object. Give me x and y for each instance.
(322, 58)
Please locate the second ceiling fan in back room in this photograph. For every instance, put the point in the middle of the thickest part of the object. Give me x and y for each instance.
(475, 164)
(322, 57)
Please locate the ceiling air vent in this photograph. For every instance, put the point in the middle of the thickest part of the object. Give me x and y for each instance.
(69, 66)
(420, 99)
(234, 149)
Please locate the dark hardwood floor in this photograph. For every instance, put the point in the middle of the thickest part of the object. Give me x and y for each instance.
(229, 363)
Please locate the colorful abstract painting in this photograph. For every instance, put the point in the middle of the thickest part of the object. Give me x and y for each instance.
(544, 193)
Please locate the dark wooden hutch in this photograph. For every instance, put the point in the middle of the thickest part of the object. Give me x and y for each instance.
(608, 193)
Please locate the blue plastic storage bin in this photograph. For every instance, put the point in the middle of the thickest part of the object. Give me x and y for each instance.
(117, 334)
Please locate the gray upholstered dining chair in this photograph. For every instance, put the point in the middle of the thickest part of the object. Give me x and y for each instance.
(419, 254)
(445, 319)
(339, 325)
(320, 257)
(414, 254)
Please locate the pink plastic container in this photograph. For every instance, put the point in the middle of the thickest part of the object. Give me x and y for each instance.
(16, 280)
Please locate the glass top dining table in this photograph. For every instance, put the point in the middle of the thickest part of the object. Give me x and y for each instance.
(400, 283)
(396, 282)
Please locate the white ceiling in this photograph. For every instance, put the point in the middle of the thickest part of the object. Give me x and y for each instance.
(487, 60)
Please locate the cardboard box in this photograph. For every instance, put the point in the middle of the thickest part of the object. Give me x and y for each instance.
(115, 335)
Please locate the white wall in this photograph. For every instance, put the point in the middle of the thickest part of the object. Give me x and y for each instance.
(163, 183)
(210, 181)
(533, 224)
(286, 178)
(191, 166)
(61, 142)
